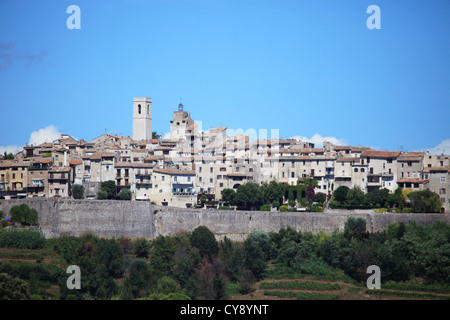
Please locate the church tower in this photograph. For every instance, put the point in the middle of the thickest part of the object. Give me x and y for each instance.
(142, 119)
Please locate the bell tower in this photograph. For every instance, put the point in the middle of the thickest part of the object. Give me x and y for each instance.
(142, 119)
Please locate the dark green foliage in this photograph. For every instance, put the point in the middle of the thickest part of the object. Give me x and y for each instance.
(22, 239)
(272, 191)
(12, 289)
(355, 228)
(228, 195)
(138, 278)
(102, 194)
(249, 195)
(340, 194)
(204, 240)
(262, 239)
(141, 248)
(8, 156)
(110, 188)
(125, 194)
(109, 253)
(78, 191)
(319, 198)
(161, 256)
(425, 201)
(24, 214)
(68, 247)
(255, 257)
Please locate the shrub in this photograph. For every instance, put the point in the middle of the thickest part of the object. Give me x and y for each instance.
(22, 239)
(225, 208)
(125, 194)
(24, 214)
(78, 191)
(203, 239)
(265, 207)
(284, 208)
(102, 194)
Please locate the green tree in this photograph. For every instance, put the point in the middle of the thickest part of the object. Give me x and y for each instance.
(110, 188)
(320, 198)
(167, 285)
(141, 248)
(262, 239)
(228, 195)
(138, 278)
(355, 196)
(272, 191)
(102, 194)
(24, 214)
(12, 289)
(340, 194)
(379, 197)
(255, 258)
(155, 135)
(204, 240)
(203, 199)
(125, 194)
(78, 191)
(425, 201)
(8, 156)
(355, 228)
(109, 253)
(249, 195)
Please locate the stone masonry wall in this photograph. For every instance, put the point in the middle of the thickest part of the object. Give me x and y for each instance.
(140, 219)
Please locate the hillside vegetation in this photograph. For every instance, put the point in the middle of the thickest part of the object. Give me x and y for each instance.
(414, 261)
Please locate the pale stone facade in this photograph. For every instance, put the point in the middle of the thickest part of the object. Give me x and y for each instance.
(142, 119)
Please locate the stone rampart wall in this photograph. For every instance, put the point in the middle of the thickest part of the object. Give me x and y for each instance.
(140, 219)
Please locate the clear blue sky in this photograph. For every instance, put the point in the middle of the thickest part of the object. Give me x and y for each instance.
(303, 67)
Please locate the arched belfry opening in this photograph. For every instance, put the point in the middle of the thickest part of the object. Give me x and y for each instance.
(142, 120)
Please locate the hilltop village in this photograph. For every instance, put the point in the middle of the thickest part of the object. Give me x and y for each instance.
(190, 163)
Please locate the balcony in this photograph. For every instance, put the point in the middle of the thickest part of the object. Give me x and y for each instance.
(142, 173)
(143, 182)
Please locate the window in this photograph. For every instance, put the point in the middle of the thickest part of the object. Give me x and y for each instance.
(292, 174)
(163, 178)
(199, 169)
(139, 108)
(148, 109)
(362, 170)
(442, 179)
(442, 191)
(210, 180)
(356, 169)
(200, 179)
(189, 179)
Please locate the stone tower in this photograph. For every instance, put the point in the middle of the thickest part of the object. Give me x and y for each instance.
(180, 123)
(142, 119)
